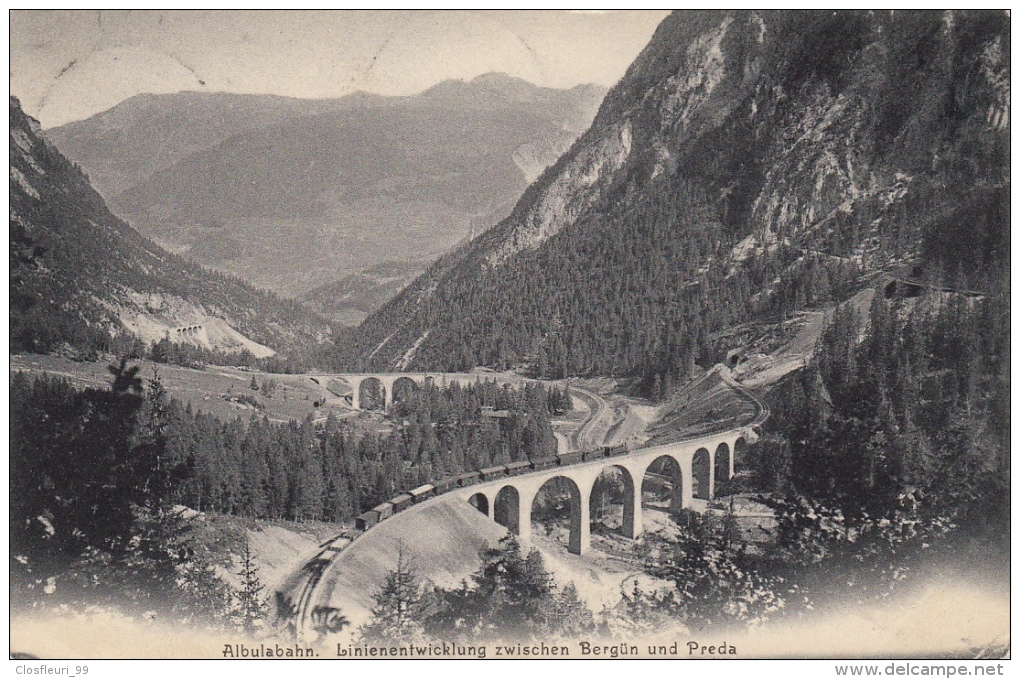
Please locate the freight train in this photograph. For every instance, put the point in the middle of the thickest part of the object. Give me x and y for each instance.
(447, 483)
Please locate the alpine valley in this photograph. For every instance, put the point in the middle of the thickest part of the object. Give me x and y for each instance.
(714, 362)
(295, 194)
(83, 281)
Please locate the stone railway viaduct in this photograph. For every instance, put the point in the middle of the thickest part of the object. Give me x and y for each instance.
(693, 466)
(387, 382)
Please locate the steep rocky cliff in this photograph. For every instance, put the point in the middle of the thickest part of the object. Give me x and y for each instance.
(748, 164)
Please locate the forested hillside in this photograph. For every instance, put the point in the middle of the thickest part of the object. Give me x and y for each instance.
(749, 164)
(81, 277)
(328, 471)
(915, 405)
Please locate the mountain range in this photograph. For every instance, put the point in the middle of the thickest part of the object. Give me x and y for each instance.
(293, 194)
(748, 166)
(351, 299)
(82, 279)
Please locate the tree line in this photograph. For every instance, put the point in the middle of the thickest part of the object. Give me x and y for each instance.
(98, 477)
(330, 471)
(707, 578)
(92, 502)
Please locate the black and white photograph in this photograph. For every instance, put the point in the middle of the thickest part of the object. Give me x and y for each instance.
(510, 334)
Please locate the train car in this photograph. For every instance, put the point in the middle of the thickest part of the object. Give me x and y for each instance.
(468, 479)
(490, 473)
(597, 454)
(385, 510)
(401, 502)
(569, 458)
(367, 520)
(515, 468)
(422, 493)
(616, 451)
(544, 463)
(444, 484)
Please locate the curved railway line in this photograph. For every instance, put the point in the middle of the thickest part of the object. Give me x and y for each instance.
(598, 408)
(302, 609)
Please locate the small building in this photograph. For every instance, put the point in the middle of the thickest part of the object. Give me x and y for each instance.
(489, 411)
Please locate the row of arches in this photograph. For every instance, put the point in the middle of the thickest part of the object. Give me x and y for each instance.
(375, 393)
(612, 499)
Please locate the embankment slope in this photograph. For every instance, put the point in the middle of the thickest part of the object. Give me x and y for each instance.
(442, 537)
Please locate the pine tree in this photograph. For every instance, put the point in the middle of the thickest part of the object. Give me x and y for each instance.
(397, 612)
(570, 616)
(251, 601)
(517, 590)
(100, 486)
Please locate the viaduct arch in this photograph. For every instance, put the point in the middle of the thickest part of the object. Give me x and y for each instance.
(389, 382)
(510, 501)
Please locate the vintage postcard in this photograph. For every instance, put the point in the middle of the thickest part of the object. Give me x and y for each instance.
(580, 334)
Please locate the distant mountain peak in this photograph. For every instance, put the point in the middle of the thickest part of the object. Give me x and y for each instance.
(294, 194)
(498, 77)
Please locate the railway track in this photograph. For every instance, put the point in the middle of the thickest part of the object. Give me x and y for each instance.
(763, 408)
(304, 608)
(598, 408)
(301, 609)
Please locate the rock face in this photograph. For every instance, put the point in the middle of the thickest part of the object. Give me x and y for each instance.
(753, 101)
(294, 194)
(773, 147)
(82, 278)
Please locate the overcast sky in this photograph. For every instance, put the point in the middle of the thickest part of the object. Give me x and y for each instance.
(69, 65)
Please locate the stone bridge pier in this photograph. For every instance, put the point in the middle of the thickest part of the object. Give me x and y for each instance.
(388, 381)
(692, 470)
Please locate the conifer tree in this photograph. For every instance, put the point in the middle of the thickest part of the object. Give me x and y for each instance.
(251, 600)
(570, 616)
(397, 611)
